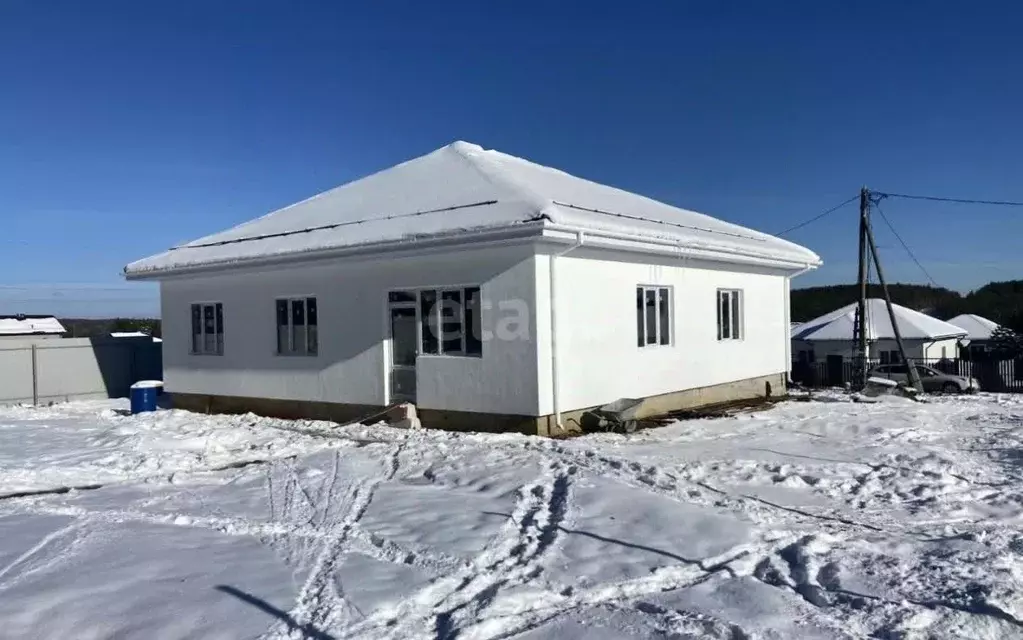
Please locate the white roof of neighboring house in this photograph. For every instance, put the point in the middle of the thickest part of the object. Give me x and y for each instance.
(27, 325)
(463, 191)
(839, 324)
(976, 327)
(133, 334)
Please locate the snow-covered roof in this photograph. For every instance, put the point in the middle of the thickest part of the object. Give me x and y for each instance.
(29, 325)
(463, 191)
(913, 325)
(976, 327)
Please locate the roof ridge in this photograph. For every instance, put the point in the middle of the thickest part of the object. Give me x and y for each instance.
(483, 161)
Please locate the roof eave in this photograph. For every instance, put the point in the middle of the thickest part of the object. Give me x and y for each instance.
(665, 246)
(491, 236)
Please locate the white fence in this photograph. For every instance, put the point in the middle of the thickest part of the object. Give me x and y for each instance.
(44, 371)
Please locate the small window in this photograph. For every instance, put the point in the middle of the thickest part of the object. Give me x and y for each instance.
(891, 356)
(296, 327)
(730, 314)
(653, 316)
(430, 322)
(473, 322)
(451, 321)
(208, 329)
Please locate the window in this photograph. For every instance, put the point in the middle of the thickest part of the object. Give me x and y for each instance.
(451, 321)
(208, 329)
(653, 316)
(891, 357)
(297, 327)
(730, 312)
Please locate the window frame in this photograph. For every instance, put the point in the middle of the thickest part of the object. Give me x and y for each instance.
(289, 302)
(643, 320)
(736, 322)
(434, 314)
(218, 329)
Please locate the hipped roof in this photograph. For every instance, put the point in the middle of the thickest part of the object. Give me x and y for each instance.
(459, 191)
(976, 327)
(840, 324)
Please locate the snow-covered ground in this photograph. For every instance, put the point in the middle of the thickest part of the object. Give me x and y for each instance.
(822, 519)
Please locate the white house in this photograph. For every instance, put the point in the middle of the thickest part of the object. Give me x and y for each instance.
(978, 330)
(831, 335)
(28, 326)
(492, 292)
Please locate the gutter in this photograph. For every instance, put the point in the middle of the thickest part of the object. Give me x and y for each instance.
(555, 372)
(788, 317)
(670, 246)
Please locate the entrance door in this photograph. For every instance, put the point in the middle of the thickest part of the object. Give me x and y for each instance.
(836, 370)
(404, 349)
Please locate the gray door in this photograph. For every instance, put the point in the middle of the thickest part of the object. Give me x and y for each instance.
(404, 349)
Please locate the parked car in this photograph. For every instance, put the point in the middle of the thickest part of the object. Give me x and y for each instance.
(933, 380)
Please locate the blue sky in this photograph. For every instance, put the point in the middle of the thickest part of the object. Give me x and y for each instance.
(128, 127)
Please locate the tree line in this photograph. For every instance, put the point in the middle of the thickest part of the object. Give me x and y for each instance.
(100, 327)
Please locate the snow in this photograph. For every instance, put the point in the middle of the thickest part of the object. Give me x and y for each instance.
(839, 324)
(976, 327)
(460, 190)
(26, 325)
(817, 518)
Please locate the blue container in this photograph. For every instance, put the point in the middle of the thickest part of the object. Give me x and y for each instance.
(143, 395)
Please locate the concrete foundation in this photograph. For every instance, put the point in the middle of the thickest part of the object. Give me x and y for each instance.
(765, 386)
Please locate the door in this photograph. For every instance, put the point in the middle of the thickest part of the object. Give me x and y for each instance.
(836, 370)
(404, 350)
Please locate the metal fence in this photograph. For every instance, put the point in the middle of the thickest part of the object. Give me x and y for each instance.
(1003, 376)
(44, 371)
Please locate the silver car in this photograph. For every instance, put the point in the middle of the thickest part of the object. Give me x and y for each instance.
(933, 380)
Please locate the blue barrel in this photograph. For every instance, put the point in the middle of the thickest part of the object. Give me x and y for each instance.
(143, 395)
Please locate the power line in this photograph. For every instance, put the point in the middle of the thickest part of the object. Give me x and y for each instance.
(877, 205)
(819, 216)
(1007, 203)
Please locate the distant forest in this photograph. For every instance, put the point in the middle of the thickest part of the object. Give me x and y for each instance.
(94, 328)
(998, 301)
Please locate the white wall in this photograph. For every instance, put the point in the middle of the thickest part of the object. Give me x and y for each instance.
(933, 349)
(351, 366)
(599, 358)
(914, 348)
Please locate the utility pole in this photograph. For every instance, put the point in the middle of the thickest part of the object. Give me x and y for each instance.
(914, 375)
(860, 358)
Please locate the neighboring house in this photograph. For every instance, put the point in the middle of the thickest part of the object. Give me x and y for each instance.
(492, 292)
(830, 337)
(978, 331)
(133, 334)
(33, 327)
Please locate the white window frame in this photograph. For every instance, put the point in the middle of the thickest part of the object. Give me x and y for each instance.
(292, 351)
(437, 319)
(218, 328)
(736, 328)
(659, 328)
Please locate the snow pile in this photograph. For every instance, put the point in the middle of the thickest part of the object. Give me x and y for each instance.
(818, 519)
